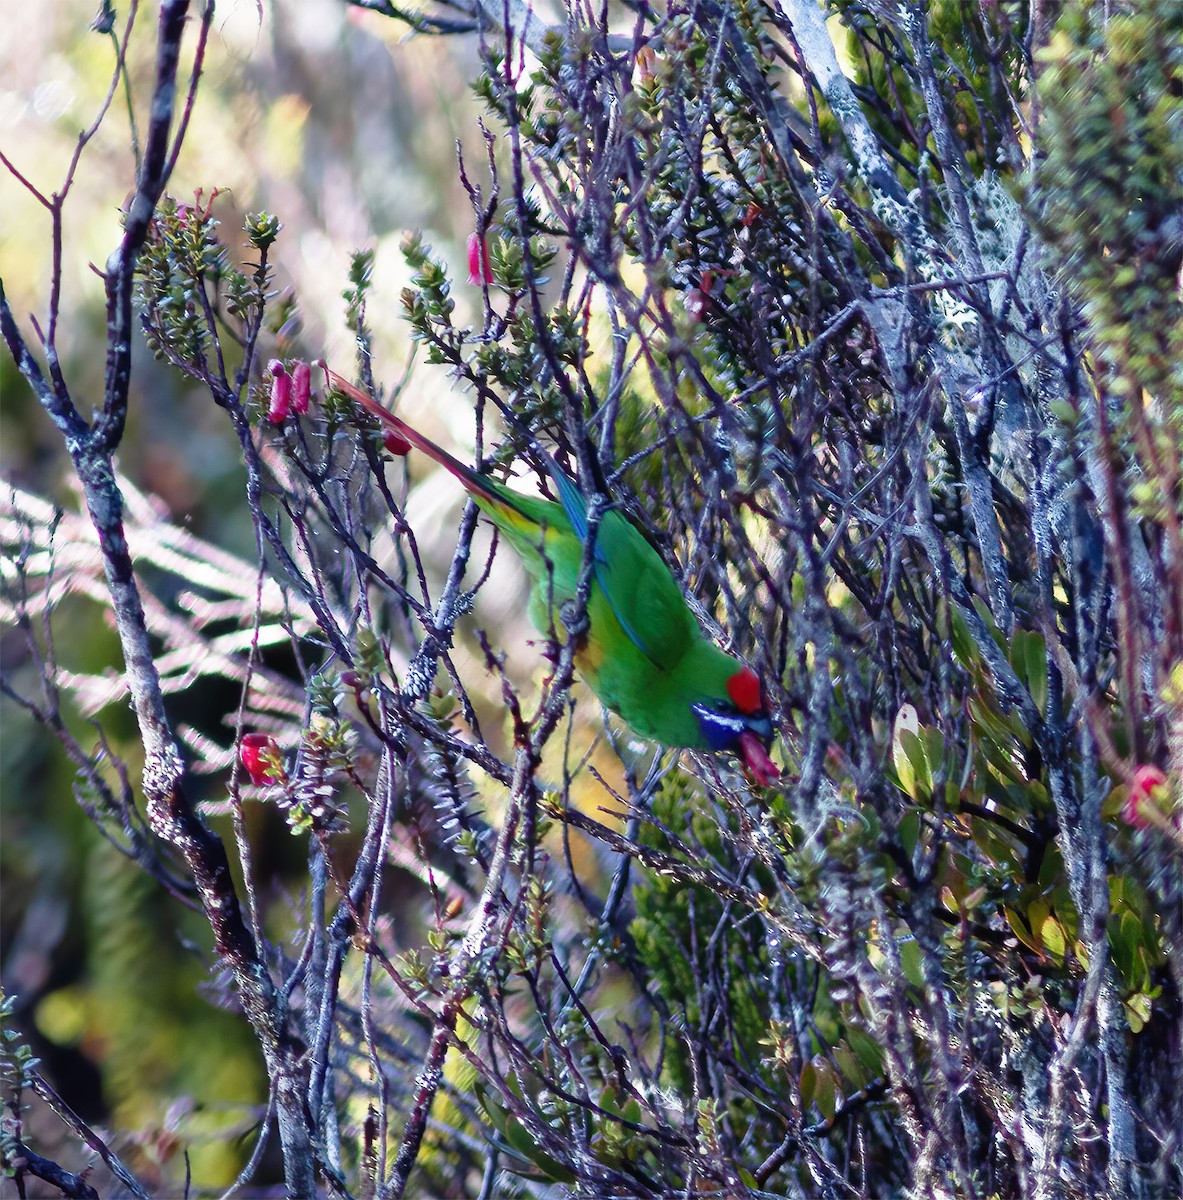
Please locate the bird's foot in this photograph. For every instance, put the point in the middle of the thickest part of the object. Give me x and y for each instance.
(574, 618)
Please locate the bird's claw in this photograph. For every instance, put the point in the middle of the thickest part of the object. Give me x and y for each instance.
(574, 618)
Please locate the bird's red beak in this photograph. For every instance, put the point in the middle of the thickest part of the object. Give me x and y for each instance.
(756, 759)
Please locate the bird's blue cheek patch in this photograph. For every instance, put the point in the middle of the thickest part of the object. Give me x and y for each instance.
(720, 730)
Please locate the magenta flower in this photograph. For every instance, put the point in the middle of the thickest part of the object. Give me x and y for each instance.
(281, 392)
(1141, 805)
(261, 759)
(301, 387)
(480, 273)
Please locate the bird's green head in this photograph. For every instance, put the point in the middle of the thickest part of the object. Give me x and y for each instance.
(740, 724)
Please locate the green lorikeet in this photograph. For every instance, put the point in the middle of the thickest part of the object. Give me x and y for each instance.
(643, 653)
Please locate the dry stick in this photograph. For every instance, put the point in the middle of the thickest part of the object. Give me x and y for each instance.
(481, 925)
(523, 799)
(892, 206)
(977, 476)
(88, 1135)
(169, 810)
(23, 1161)
(1083, 845)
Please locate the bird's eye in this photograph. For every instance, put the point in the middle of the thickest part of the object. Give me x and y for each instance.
(721, 730)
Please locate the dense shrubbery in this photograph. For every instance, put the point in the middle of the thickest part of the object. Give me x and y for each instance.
(886, 361)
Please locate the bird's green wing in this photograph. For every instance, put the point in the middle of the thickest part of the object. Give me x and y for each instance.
(642, 593)
(640, 589)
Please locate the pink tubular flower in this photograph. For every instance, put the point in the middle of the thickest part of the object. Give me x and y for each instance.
(480, 273)
(261, 759)
(281, 392)
(1141, 806)
(301, 387)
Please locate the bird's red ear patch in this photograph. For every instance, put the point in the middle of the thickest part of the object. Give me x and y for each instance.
(744, 689)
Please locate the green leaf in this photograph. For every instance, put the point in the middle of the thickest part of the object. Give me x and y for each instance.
(1128, 938)
(849, 1063)
(1000, 744)
(933, 741)
(992, 844)
(909, 754)
(827, 1094)
(1037, 912)
(1053, 938)
(613, 1102)
(866, 1048)
(1035, 663)
(910, 831)
(523, 1143)
(492, 1110)
(808, 1084)
(1020, 930)
(1051, 869)
(904, 770)
(912, 961)
(1137, 1011)
(983, 611)
(965, 649)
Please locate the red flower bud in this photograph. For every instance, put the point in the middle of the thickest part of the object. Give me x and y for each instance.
(1140, 800)
(301, 387)
(479, 270)
(395, 443)
(281, 393)
(261, 759)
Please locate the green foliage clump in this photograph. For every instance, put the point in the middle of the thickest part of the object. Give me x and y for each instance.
(188, 288)
(1108, 183)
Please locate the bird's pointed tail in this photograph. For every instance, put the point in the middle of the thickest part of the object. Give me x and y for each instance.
(474, 481)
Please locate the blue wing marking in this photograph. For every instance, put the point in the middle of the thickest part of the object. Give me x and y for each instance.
(575, 506)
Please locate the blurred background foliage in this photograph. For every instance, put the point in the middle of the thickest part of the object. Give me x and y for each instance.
(347, 126)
